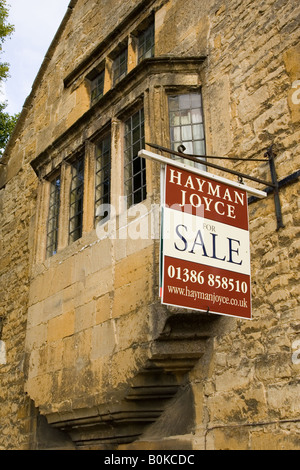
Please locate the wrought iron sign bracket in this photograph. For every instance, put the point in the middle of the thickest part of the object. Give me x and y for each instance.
(271, 158)
(271, 186)
(277, 185)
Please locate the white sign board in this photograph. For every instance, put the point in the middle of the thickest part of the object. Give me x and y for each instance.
(205, 246)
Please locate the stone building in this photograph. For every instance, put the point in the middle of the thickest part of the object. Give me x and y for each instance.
(89, 357)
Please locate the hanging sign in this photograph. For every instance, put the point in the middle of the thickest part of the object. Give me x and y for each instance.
(205, 245)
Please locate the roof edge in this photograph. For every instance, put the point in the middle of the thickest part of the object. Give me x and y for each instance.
(147, 67)
(38, 79)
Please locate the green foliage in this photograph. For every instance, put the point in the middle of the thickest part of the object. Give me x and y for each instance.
(7, 122)
(5, 28)
(5, 31)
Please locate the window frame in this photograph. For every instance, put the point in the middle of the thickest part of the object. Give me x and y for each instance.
(52, 247)
(78, 198)
(142, 41)
(188, 127)
(105, 196)
(118, 75)
(111, 114)
(95, 94)
(135, 176)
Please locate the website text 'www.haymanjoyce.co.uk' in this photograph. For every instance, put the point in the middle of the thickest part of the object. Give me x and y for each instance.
(210, 297)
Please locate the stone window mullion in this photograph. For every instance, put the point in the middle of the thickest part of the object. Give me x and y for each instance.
(76, 199)
(89, 188)
(63, 231)
(102, 174)
(53, 216)
(116, 164)
(41, 221)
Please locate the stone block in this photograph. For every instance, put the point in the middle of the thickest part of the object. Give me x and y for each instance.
(133, 268)
(103, 340)
(70, 346)
(61, 326)
(85, 316)
(36, 337)
(97, 284)
(228, 439)
(273, 438)
(132, 328)
(103, 308)
(36, 315)
(131, 297)
(52, 306)
(85, 312)
(39, 389)
(54, 356)
(283, 399)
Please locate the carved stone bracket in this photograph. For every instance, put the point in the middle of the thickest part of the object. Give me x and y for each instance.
(175, 351)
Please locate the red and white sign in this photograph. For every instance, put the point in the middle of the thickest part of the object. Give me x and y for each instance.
(205, 245)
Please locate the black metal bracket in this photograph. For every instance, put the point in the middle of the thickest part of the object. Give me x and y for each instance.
(197, 159)
(281, 184)
(1, 326)
(271, 186)
(271, 157)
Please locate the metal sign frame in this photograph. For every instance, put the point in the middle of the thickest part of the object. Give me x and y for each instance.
(205, 285)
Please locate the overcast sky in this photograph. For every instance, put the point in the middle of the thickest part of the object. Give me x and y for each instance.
(35, 22)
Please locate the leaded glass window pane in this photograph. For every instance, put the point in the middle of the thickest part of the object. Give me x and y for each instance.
(97, 88)
(120, 66)
(76, 200)
(135, 167)
(53, 217)
(186, 124)
(103, 178)
(146, 44)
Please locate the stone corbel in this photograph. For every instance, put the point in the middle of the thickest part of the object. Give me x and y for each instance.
(179, 342)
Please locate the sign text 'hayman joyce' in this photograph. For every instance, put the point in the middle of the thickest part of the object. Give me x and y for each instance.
(205, 253)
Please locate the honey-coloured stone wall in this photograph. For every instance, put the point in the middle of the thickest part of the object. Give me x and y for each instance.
(83, 337)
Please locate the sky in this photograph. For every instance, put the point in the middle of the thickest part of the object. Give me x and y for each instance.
(35, 22)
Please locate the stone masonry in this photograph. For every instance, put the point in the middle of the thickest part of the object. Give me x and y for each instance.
(89, 358)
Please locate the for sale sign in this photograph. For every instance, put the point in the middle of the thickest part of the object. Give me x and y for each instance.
(205, 254)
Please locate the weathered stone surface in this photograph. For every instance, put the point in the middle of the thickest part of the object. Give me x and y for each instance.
(77, 329)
